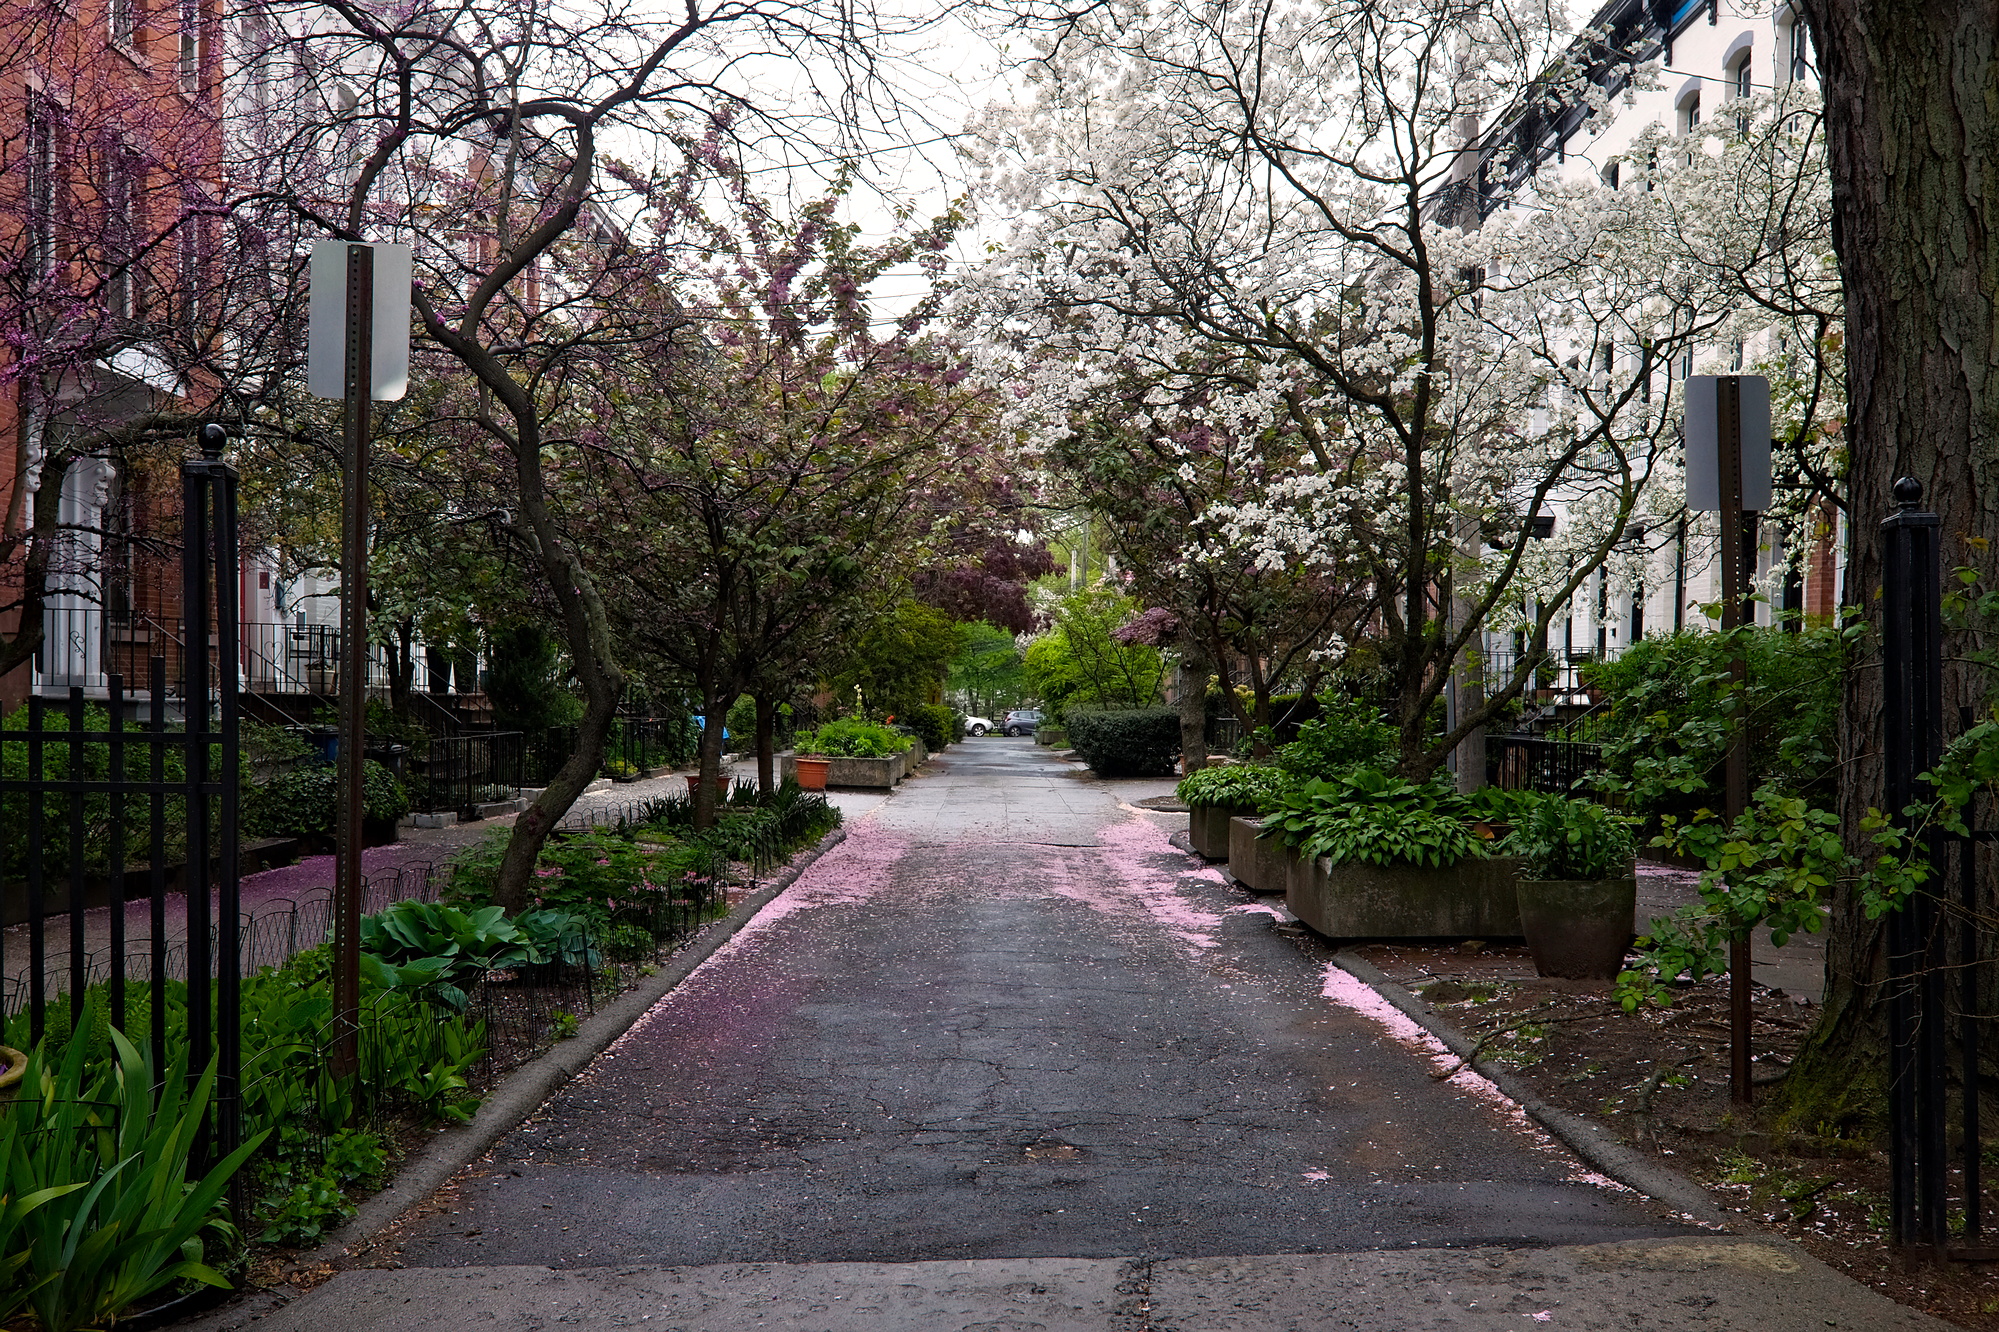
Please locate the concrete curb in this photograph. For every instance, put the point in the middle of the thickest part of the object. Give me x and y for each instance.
(1589, 1140)
(523, 1090)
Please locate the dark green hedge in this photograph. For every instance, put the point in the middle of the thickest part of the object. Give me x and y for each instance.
(935, 723)
(1137, 742)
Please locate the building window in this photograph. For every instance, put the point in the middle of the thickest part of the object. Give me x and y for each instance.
(124, 15)
(1793, 44)
(124, 177)
(1610, 175)
(189, 64)
(41, 201)
(1735, 357)
(1743, 86)
(1690, 114)
(188, 254)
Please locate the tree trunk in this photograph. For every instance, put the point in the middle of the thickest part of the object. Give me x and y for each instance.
(715, 711)
(766, 744)
(1190, 694)
(1911, 90)
(402, 668)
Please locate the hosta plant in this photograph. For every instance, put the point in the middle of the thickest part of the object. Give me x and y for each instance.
(1239, 785)
(1370, 817)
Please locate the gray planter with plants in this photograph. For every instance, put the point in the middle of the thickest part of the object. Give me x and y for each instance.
(867, 774)
(1208, 828)
(1473, 899)
(1214, 796)
(1260, 864)
(1578, 887)
(1052, 736)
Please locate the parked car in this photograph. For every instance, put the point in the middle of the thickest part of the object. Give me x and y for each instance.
(978, 725)
(1021, 721)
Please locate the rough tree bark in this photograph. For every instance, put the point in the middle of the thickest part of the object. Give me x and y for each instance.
(1190, 695)
(715, 714)
(766, 743)
(1912, 97)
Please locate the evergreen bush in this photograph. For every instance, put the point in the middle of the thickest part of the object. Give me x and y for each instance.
(1131, 742)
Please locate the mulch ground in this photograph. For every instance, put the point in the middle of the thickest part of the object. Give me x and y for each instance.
(1658, 1078)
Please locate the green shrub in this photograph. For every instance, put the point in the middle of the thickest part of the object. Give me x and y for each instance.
(303, 802)
(936, 725)
(1671, 701)
(1571, 839)
(1239, 785)
(1375, 819)
(1347, 733)
(848, 738)
(1133, 742)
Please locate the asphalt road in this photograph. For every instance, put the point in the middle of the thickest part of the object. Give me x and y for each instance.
(1004, 1061)
(1005, 1019)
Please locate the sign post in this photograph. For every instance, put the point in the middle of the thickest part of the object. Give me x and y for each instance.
(1728, 469)
(358, 351)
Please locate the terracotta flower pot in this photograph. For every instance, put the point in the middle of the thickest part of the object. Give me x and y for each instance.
(1578, 928)
(812, 772)
(694, 785)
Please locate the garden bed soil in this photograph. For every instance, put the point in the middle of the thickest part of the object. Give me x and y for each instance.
(1658, 1080)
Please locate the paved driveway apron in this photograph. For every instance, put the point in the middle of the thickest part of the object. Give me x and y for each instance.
(1005, 1019)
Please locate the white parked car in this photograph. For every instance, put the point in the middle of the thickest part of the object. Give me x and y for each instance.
(977, 725)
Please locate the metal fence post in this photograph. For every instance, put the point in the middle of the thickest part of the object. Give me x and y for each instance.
(1912, 697)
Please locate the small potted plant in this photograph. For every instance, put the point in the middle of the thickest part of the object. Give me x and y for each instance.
(721, 785)
(1578, 887)
(812, 769)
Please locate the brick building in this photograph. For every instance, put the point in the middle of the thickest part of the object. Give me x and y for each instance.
(110, 181)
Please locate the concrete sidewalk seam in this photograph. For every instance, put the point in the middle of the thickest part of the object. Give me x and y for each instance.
(1589, 1140)
(527, 1087)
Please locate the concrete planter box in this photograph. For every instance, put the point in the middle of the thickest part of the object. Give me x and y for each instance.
(1473, 899)
(919, 753)
(1258, 863)
(1208, 828)
(867, 774)
(1052, 736)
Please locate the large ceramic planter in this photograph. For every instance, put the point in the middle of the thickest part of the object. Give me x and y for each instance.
(1257, 863)
(809, 773)
(1578, 928)
(694, 786)
(1208, 828)
(1473, 899)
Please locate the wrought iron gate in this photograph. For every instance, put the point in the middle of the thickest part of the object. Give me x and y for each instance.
(107, 793)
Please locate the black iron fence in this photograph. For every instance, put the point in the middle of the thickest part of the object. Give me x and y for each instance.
(1535, 763)
(102, 790)
(457, 772)
(1937, 931)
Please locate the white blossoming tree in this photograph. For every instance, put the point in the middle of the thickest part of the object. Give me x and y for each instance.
(1294, 191)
